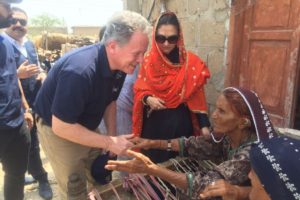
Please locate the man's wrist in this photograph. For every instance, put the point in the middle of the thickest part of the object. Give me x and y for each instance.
(107, 143)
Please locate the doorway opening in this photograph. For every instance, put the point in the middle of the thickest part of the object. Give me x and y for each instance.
(297, 114)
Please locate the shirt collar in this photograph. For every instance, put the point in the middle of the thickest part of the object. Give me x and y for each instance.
(20, 47)
(103, 62)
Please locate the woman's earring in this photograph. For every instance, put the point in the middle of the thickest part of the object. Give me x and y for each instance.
(247, 122)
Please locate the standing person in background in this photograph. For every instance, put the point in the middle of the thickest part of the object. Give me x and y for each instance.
(5, 12)
(79, 89)
(169, 91)
(14, 134)
(47, 62)
(26, 58)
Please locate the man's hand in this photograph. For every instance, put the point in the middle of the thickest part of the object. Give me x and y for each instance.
(118, 145)
(139, 164)
(27, 70)
(29, 119)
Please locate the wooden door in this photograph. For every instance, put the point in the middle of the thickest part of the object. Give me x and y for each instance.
(263, 53)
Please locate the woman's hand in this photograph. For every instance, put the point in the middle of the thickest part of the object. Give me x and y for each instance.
(139, 164)
(221, 188)
(142, 143)
(155, 103)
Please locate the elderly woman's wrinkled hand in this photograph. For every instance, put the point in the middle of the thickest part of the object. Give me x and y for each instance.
(141, 143)
(139, 164)
(220, 188)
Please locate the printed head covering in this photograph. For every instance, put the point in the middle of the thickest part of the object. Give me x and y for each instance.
(277, 164)
(175, 83)
(262, 124)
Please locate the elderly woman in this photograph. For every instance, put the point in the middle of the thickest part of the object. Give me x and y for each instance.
(169, 99)
(241, 119)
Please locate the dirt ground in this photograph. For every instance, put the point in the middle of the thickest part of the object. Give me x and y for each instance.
(31, 191)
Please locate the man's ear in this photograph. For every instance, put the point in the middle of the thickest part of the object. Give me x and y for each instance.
(112, 46)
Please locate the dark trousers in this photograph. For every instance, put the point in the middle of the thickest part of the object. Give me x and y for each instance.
(35, 165)
(14, 149)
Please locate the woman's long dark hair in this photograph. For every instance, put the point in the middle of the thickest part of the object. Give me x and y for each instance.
(168, 18)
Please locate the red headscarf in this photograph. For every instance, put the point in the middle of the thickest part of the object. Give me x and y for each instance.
(173, 83)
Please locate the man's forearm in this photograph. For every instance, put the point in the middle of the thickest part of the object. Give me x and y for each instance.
(79, 134)
(110, 118)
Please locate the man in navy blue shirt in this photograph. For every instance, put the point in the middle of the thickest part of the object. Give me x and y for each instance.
(80, 89)
(31, 79)
(14, 135)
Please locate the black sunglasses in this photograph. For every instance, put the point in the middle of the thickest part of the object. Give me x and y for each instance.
(171, 39)
(14, 21)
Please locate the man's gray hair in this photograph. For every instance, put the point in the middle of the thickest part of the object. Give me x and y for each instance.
(122, 25)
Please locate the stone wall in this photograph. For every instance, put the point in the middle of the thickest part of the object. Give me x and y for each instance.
(205, 27)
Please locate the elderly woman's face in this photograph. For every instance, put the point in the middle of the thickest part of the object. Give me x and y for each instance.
(166, 38)
(225, 120)
(257, 190)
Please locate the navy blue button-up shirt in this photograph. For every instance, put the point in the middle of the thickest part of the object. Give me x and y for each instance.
(11, 113)
(79, 87)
